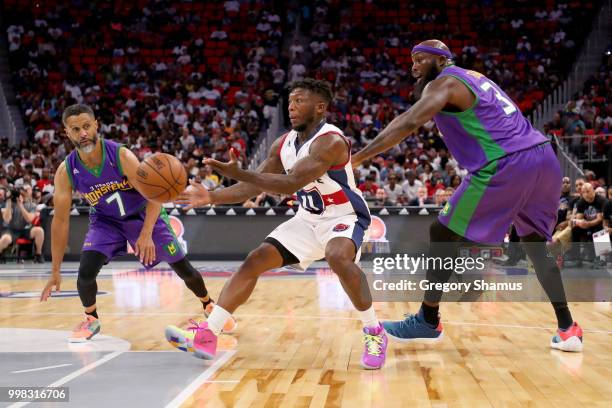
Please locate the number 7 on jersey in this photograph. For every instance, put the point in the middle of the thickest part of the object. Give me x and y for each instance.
(117, 197)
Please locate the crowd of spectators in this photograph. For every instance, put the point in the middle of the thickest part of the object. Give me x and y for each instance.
(585, 122)
(581, 214)
(187, 78)
(192, 79)
(363, 49)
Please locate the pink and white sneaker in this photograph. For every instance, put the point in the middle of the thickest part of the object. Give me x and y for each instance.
(375, 351)
(197, 339)
(568, 340)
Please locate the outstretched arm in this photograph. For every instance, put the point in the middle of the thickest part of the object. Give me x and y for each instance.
(144, 248)
(241, 192)
(198, 196)
(435, 96)
(62, 199)
(325, 152)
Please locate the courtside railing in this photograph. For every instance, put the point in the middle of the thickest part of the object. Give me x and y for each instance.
(587, 148)
(262, 145)
(7, 126)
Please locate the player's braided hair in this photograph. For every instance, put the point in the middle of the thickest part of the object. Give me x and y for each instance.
(75, 110)
(322, 88)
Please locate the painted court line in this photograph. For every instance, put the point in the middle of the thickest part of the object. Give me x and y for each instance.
(202, 378)
(75, 374)
(298, 317)
(40, 369)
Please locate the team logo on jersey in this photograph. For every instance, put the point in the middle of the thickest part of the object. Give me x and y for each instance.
(99, 190)
(340, 227)
(75, 171)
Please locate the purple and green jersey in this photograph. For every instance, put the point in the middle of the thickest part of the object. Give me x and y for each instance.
(490, 129)
(514, 176)
(117, 210)
(105, 188)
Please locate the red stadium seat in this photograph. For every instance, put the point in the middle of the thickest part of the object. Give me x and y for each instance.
(54, 76)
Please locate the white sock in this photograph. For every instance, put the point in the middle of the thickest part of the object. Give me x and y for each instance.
(368, 317)
(217, 319)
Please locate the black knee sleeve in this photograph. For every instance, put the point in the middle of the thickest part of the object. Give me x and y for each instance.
(89, 267)
(439, 232)
(191, 276)
(546, 268)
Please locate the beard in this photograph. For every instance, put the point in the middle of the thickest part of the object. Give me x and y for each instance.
(303, 126)
(88, 148)
(422, 82)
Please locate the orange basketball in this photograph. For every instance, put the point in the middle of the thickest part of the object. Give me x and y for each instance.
(161, 178)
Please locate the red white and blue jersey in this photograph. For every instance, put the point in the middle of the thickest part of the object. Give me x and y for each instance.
(332, 195)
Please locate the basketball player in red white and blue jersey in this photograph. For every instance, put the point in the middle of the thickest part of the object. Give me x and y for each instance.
(514, 178)
(331, 223)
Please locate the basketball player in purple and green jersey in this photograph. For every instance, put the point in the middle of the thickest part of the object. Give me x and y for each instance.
(102, 171)
(514, 178)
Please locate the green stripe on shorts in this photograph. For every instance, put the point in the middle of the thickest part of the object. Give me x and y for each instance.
(164, 216)
(464, 210)
(174, 246)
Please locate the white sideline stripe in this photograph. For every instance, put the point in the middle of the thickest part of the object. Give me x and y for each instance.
(202, 378)
(40, 369)
(302, 317)
(75, 374)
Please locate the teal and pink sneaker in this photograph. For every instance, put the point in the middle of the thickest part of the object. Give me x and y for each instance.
(375, 351)
(197, 339)
(568, 340)
(85, 330)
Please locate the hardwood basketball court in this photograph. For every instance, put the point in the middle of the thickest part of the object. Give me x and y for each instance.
(298, 344)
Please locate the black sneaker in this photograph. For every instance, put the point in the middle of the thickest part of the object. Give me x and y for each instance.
(40, 259)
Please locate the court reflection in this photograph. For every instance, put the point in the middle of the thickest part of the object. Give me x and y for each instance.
(141, 289)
